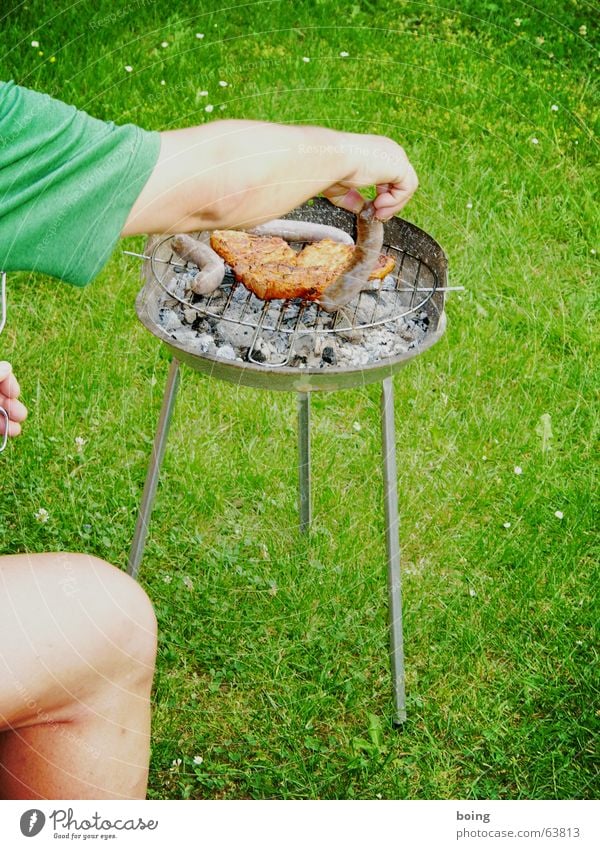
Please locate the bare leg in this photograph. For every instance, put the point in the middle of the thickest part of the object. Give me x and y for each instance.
(77, 651)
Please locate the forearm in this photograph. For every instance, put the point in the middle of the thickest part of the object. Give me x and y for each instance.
(238, 174)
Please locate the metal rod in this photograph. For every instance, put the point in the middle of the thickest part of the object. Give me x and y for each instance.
(416, 280)
(232, 289)
(158, 451)
(304, 459)
(434, 289)
(155, 259)
(294, 334)
(390, 493)
(4, 437)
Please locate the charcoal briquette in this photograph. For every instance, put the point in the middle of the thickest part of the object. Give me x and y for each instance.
(329, 355)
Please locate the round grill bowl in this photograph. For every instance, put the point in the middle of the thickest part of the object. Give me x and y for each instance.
(399, 236)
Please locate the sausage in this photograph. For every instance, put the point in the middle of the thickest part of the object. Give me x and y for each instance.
(301, 231)
(199, 251)
(369, 242)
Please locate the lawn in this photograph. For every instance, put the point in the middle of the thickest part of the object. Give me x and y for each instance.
(272, 677)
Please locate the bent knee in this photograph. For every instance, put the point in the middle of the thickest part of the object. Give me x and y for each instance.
(69, 621)
(123, 613)
(96, 616)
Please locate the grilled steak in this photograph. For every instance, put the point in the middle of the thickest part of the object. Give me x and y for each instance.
(271, 269)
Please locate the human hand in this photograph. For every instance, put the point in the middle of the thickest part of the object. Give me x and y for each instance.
(374, 160)
(9, 393)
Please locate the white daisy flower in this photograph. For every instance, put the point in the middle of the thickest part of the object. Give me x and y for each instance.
(162, 82)
(559, 514)
(535, 141)
(198, 760)
(306, 59)
(167, 579)
(35, 44)
(164, 44)
(506, 525)
(343, 54)
(209, 108)
(469, 205)
(223, 84)
(518, 470)
(554, 107)
(199, 35)
(128, 68)
(42, 515)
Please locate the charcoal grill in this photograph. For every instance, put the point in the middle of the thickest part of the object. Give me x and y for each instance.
(417, 286)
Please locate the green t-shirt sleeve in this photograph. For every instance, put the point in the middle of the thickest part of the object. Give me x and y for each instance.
(67, 184)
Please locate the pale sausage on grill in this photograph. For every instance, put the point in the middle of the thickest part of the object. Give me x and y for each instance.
(199, 251)
(302, 231)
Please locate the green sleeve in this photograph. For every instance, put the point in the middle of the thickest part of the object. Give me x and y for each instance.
(67, 184)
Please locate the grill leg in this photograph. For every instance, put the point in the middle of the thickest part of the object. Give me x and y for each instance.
(390, 491)
(158, 451)
(304, 459)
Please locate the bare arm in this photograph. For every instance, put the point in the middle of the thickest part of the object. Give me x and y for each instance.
(240, 173)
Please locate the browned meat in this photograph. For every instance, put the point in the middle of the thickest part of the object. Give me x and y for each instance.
(270, 268)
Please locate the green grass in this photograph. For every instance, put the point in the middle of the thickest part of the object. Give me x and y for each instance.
(273, 659)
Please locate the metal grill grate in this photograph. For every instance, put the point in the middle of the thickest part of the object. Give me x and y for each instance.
(404, 292)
